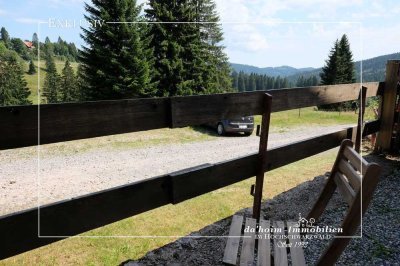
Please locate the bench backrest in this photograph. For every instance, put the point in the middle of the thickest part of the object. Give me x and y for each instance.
(356, 180)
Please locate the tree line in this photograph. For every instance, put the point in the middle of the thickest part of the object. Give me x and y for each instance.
(253, 82)
(62, 49)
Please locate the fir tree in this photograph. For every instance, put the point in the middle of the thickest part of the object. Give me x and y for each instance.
(13, 87)
(345, 65)
(35, 40)
(68, 84)
(166, 41)
(339, 69)
(51, 89)
(218, 68)
(188, 57)
(328, 74)
(32, 68)
(114, 64)
(5, 37)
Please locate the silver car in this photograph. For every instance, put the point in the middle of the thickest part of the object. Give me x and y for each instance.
(243, 124)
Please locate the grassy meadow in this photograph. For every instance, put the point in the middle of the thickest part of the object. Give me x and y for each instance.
(32, 80)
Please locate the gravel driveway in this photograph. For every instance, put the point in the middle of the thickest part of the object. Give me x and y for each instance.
(67, 176)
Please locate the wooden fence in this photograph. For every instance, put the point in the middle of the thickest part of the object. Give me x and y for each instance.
(21, 127)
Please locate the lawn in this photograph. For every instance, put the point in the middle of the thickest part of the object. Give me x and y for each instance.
(170, 220)
(306, 117)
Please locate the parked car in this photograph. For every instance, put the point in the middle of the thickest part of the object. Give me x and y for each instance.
(243, 124)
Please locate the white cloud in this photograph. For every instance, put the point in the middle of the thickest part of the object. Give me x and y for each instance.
(29, 20)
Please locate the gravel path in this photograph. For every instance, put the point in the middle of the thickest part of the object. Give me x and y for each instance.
(378, 246)
(67, 176)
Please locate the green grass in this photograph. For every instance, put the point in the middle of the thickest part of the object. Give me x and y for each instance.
(170, 220)
(32, 80)
(283, 121)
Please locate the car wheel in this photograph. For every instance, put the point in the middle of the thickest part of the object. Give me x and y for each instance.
(247, 133)
(220, 129)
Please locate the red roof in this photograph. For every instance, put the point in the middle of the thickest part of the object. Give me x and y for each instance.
(29, 44)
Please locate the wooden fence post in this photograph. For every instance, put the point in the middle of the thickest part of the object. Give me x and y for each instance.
(388, 107)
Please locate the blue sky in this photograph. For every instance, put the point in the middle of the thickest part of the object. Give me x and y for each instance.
(298, 33)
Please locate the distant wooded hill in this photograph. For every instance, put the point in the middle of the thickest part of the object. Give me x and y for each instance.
(373, 69)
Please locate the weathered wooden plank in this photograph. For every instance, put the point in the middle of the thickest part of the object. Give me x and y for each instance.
(196, 110)
(280, 254)
(262, 150)
(296, 250)
(286, 99)
(388, 106)
(232, 245)
(371, 127)
(19, 231)
(353, 177)
(71, 121)
(264, 245)
(20, 125)
(344, 188)
(247, 254)
(91, 211)
(355, 159)
(330, 186)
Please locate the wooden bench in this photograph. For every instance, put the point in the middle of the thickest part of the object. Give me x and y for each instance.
(356, 180)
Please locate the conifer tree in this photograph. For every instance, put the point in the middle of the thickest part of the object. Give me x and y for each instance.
(114, 63)
(68, 84)
(166, 41)
(339, 69)
(345, 66)
(328, 74)
(32, 68)
(189, 58)
(51, 89)
(13, 87)
(5, 37)
(35, 39)
(216, 59)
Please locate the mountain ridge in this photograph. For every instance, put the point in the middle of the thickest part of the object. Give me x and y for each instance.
(373, 69)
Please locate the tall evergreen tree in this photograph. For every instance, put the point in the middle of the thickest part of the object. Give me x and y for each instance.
(51, 89)
(167, 42)
(189, 58)
(218, 68)
(345, 66)
(35, 39)
(5, 37)
(241, 82)
(328, 74)
(339, 69)
(114, 63)
(13, 87)
(69, 88)
(32, 68)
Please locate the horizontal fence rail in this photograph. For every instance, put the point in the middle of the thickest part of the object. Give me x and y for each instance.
(21, 126)
(19, 231)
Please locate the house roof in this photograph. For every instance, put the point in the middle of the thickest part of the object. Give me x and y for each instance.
(29, 44)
